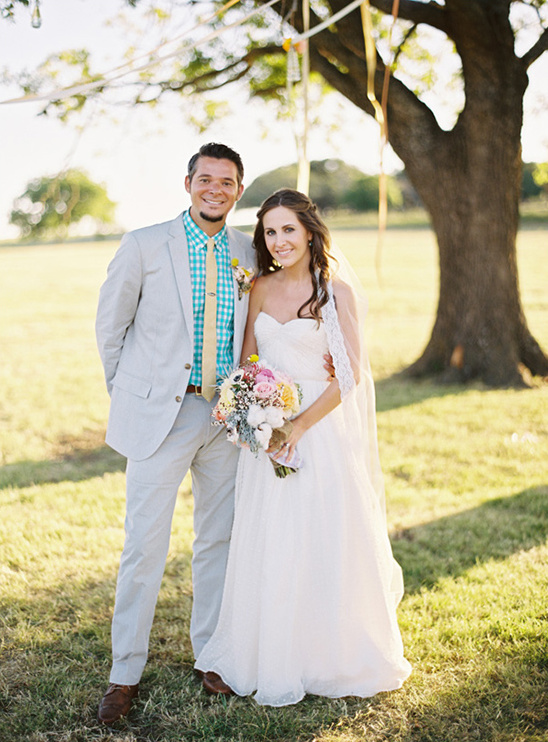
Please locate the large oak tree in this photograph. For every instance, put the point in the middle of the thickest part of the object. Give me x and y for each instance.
(468, 177)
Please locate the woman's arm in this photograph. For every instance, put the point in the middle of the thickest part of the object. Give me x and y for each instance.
(256, 298)
(331, 397)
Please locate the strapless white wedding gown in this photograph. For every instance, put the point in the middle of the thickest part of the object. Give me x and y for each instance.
(311, 589)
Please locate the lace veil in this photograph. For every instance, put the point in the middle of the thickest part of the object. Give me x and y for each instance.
(345, 329)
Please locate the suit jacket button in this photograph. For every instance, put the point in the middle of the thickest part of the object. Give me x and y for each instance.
(178, 399)
(187, 365)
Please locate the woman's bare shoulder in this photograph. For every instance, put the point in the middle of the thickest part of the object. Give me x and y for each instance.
(342, 291)
(266, 281)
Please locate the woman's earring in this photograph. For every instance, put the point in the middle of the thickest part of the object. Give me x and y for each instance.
(310, 243)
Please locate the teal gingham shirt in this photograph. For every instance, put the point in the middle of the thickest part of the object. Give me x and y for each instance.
(197, 248)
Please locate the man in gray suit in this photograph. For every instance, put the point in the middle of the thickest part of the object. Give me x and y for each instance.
(150, 333)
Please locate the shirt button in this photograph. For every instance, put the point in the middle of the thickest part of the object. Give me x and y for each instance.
(178, 399)
(187, 365)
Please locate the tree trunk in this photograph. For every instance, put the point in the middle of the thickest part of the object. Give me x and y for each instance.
(469, 180)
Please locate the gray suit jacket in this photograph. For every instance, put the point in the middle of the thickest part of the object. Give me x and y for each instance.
(145, 332)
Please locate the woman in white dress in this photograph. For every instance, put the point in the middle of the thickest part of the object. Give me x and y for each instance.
(311, 590)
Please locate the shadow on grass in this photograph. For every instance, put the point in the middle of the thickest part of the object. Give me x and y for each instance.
(76, 465)
(450, 546)
(400, 390)
(56, 658)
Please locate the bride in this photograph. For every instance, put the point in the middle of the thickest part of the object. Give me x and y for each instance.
(311, 589)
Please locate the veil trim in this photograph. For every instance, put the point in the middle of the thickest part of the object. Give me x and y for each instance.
(337, 346)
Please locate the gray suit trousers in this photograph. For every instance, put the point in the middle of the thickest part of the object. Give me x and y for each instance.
(152, 484)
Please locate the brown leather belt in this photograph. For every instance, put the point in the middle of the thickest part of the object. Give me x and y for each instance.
(191, 389)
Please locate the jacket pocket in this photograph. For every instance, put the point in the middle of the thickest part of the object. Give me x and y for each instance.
(132, 384)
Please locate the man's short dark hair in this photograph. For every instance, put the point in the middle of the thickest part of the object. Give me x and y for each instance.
(219, 152)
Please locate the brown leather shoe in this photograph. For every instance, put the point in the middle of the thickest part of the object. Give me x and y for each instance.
(116, 702)
(214, 684)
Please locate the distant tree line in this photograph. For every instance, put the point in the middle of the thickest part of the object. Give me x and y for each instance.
(51, 205)
(336, 185)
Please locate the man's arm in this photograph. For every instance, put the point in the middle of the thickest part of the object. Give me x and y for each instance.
(118, 301)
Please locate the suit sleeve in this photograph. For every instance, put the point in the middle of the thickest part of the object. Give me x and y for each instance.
(118, 302)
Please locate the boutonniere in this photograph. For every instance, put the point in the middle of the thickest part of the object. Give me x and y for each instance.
(244, 277)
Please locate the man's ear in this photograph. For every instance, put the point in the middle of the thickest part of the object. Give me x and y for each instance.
(240, 191)
(187, 184)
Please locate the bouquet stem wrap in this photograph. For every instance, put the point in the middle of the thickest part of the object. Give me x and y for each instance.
(282, 463)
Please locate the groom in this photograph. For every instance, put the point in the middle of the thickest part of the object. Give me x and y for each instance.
(154, 332)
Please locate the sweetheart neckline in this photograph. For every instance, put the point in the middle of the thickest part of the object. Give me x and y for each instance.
(282, 324)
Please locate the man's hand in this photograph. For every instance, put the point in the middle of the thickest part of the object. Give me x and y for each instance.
(329, 367)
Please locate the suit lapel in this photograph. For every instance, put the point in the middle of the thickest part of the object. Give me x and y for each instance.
(178, 249)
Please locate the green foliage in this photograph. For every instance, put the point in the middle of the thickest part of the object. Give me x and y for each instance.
(267, 77)
(531, 174)
(333, 185)
(49, 205)
(7, 7)
(363, 195)
(540, 175)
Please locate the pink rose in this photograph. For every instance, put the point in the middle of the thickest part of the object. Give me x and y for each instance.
(265, 375)
(264, 389)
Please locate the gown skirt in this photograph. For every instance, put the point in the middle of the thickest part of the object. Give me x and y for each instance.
(311, 591)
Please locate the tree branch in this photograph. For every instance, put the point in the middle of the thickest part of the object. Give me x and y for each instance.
(536, 50)
(343, 82)
(430, 13)
(206, 81)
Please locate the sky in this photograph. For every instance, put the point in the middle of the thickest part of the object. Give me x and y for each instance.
(141, 154)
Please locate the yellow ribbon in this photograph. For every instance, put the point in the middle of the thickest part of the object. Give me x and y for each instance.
(380, 115)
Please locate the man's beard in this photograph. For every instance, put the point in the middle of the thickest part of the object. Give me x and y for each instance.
(209, 218)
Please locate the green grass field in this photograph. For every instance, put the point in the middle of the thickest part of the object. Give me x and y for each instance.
(466, 474)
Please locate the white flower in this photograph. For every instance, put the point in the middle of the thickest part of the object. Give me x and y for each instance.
(274, 416)
(236, 376)
(256, 415)
(263, 434)
(232, 435)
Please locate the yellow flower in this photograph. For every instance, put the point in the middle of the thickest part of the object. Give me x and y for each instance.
(288, 396)
(234, 262)
(253, 358)
(226, 396)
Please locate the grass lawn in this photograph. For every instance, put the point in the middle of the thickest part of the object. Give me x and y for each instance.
(466, 474)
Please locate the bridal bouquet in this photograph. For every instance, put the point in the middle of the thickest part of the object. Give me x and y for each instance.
(255, 404)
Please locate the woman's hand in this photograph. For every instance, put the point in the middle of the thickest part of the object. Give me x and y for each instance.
(287, 448)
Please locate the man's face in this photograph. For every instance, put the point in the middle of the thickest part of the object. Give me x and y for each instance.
(213, 190)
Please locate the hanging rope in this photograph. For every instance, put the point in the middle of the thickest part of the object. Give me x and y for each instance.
(303, 171)
(381, 116)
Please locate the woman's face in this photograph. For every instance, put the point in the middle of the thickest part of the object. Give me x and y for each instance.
(285, 237)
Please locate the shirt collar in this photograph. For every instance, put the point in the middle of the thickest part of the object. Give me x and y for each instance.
(200, 238)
